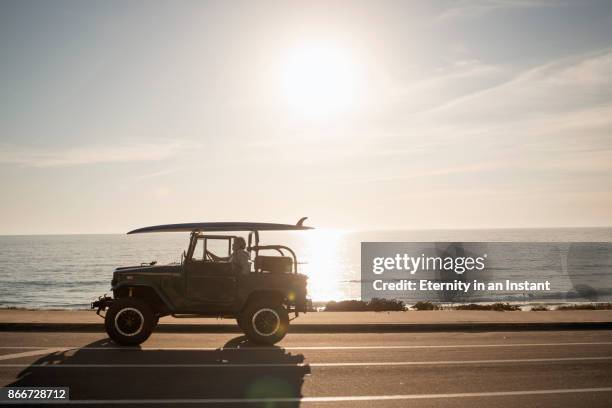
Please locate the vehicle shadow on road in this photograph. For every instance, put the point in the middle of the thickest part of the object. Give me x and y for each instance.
(238, 370)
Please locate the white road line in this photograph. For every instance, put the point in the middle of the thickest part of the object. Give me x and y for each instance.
(390, 347)
(289, 365)
(31, 353)
(326, 399)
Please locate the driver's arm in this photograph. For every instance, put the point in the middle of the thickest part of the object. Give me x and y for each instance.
(218, 258)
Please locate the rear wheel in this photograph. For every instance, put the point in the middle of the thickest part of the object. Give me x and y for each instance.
(129, 321)
(265, 322)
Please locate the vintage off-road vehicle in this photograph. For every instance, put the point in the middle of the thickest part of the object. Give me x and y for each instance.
(206, 284)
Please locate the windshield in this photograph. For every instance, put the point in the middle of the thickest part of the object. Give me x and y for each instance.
(218, 246)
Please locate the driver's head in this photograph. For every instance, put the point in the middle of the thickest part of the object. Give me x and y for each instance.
(239, 243)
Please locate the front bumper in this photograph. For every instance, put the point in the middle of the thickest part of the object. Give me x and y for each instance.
(102, 303)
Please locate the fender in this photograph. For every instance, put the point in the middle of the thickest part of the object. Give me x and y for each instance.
(158, 292)
(264, 294)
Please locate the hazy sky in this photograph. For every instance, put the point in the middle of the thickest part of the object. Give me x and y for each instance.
(379, 114)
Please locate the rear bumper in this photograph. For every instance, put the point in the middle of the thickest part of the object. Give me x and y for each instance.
(303, 306)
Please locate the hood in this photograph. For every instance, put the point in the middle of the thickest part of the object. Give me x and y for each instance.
(146, 268)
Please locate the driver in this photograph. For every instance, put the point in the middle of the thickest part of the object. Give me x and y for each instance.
(239, 258)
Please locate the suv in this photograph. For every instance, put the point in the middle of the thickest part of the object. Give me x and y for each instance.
(206, 284)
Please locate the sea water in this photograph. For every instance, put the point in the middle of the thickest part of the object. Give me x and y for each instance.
(69, 271)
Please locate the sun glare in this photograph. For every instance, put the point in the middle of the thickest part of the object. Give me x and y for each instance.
(324, 254)
(320, 80)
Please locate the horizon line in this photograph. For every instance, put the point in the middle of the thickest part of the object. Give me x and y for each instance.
(341, 229)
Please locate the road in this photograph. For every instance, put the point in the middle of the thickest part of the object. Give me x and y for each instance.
(460, 369)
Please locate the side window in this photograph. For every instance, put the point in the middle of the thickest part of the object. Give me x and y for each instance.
(218, 246)
(198, 252)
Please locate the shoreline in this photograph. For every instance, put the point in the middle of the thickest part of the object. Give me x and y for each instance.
(447, 307)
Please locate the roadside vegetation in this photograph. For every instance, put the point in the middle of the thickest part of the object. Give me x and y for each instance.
(587, 306)
(425, 306)
(374, 305)
(386, 305)
(498, 307)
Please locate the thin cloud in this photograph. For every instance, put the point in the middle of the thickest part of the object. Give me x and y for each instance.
(569, 84)
(478, 8)
(459, 78)
(553, 118)
(92, 154)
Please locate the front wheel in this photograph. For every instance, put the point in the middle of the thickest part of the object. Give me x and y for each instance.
(129, 321)
(265, 322)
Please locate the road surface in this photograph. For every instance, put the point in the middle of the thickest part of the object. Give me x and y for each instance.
(450, 369)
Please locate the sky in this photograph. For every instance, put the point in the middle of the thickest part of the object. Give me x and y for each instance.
(358, 114)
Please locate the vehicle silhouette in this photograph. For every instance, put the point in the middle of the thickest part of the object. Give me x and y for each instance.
(209, 284)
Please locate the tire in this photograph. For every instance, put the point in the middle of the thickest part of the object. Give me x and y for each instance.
(265, 322)
(129, 321)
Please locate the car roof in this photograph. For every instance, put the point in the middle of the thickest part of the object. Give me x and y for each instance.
(223, 226)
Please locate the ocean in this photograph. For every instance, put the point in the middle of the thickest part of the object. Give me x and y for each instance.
(69, 271)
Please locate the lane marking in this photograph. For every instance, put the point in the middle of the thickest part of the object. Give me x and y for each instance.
(392, 347)
(31, 353)
(325, 399)
(289, 365)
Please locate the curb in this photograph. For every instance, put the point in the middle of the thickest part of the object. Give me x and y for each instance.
(321, 328)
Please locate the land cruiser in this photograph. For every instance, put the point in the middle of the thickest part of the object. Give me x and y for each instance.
(206, 284)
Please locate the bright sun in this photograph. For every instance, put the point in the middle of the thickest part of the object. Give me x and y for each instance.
(320, 81)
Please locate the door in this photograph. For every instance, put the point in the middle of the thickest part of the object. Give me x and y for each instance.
(210, 280)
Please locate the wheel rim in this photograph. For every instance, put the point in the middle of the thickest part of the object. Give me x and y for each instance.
(266, 322)
(129, 321)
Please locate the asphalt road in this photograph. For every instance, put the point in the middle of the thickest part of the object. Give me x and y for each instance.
(462, 369)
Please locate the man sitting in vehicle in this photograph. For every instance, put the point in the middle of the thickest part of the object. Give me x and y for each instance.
(239, 258)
